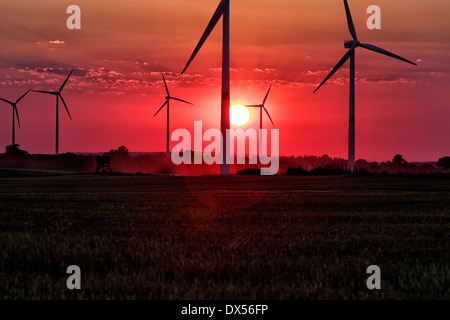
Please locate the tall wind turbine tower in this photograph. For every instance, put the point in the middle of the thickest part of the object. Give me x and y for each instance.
(15, 113)
(351, 45)
(168, 98)
(261, 107)
(58, 96)
(223, 10)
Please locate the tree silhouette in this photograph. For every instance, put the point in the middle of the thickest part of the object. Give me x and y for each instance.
(13, 149)
(444, 163)
(362, 165)
(398, 159)
(122, 151)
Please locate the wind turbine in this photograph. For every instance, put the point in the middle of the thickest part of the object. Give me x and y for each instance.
(15, 113)
(261, 107)
(168, 98)
(58, 96)
(352, 45)
(222, 10)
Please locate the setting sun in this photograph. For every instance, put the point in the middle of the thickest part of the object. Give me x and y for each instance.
(239, 115)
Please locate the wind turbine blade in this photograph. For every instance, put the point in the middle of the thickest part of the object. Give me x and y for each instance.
(23, 96)
(264, 101)
(67, 109)
(351, 26)
(269, 116)
(382, 51)
(47, 92)
(336, 68)
(17, 114)
(179, 100)
(11, 103)
(165, 84)
(161, 108)
(215, 18)
(64, 83)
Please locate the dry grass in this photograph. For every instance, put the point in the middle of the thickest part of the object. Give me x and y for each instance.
(150, 237)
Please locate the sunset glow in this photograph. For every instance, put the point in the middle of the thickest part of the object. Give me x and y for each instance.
(239, 115)
(122, 48)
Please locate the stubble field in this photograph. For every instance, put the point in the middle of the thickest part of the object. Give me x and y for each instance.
(239, 237)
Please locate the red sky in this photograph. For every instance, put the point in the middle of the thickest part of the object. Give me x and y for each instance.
(124, 45)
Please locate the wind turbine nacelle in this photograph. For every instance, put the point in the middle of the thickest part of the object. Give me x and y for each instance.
(348, 44)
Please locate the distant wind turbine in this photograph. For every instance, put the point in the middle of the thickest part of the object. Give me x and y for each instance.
(222, 10)
(58, 96)
(351, 45)
(261, 107)
(168, 98)
(15, 113)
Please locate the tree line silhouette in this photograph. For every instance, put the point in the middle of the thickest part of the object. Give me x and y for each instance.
(160, 163)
